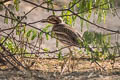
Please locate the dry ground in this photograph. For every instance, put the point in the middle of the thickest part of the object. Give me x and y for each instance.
(49, 69)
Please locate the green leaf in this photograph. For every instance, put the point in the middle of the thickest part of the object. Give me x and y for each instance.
(104, 16)
(6, 19)
(24, 29)
(40, 34)
(60, 57)
(99, 16)
(18, 31)
(46, 49)
(34, 34)
(47, 36)
(28, 33)
(89, 37)
(16, 3)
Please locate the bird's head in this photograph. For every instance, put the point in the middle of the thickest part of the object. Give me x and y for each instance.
(52, 19)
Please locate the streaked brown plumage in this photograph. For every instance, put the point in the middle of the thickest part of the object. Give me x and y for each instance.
(64, 33)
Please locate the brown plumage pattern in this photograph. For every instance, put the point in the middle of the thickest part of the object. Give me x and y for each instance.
(63, 32)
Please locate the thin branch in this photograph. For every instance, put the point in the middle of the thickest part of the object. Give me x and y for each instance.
(18, 21)
(74, 4)
(2, 2)
(12, 57)
(7, 60)
(2, 30)
(94, 23)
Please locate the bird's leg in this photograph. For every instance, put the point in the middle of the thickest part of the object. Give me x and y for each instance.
(73, 61)
(70, 61)
(66, 62)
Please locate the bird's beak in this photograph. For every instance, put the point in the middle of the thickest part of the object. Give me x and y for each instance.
(44, 20)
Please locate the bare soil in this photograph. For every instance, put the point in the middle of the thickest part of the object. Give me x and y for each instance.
(50, 69)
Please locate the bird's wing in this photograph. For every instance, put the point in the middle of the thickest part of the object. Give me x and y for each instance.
(67, 33)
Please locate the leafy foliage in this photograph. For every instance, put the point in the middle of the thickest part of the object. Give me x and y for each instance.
(100, 42)
(82, 9)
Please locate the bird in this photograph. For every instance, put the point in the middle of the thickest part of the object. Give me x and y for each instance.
(64, 33)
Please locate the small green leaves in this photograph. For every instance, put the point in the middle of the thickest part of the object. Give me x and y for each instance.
(46, 31)
(60, 57)
(31, 33)
(89, 37)
(70, 20)
(46, 49)
(16, 3)
(40, 34)
(18, 30)
(28, 33)
(34, 35)
(47, 36)
(100, 43)
(50, 5)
